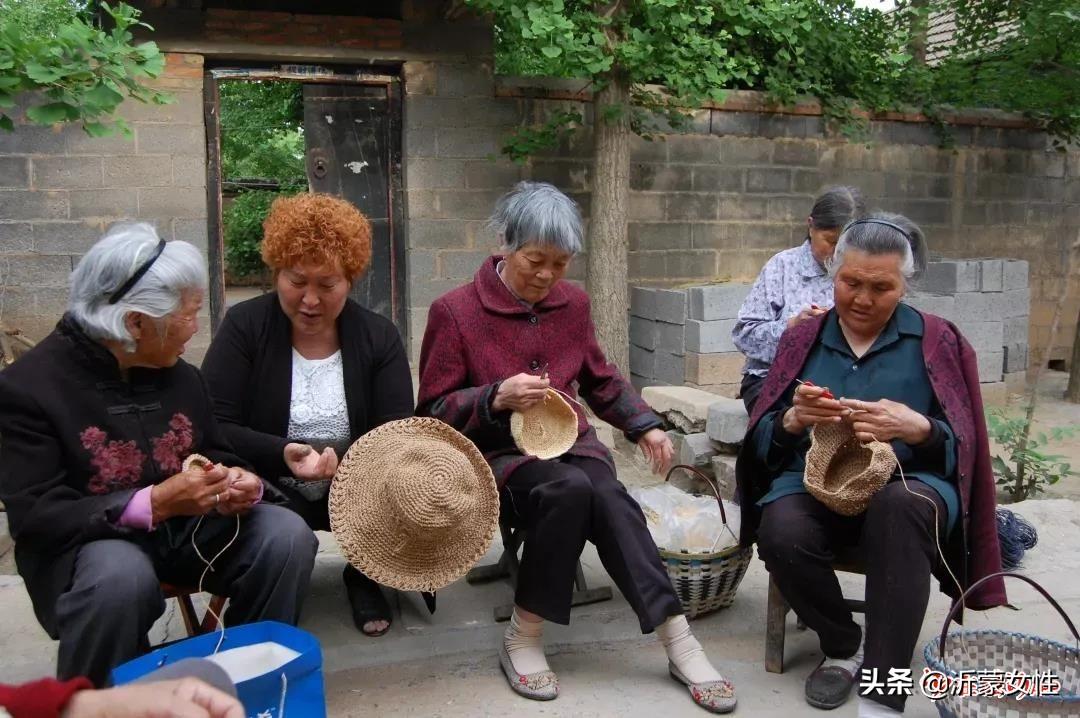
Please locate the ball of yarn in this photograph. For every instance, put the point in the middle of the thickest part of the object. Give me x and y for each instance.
(1015, 535)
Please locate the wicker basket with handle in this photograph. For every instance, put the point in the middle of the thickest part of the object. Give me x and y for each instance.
(970, 656)
(705, 582)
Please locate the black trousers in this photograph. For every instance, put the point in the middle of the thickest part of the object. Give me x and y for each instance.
(797, 539)
(749, 390)
(565, 502)
(115, 594)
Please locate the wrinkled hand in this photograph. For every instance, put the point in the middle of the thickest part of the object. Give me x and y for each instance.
(811, 405)
(244, 490)
(657, 449)
(807, 313)
(307, 464)
(189, 493)
(184, 698)
(520, 392)
(885, 420)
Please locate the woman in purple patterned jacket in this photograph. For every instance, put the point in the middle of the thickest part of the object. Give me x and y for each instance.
(494, 346)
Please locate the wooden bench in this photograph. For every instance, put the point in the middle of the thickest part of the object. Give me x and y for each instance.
(192, 623)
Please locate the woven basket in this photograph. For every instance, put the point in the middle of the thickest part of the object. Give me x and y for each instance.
(705, 582)
(1007, 651)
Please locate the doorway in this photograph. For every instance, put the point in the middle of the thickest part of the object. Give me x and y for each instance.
(323, 130)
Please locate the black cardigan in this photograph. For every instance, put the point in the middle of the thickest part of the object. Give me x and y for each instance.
(77, 441)
(249, 370)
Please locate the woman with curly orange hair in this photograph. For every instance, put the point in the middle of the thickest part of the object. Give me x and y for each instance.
(300, 373)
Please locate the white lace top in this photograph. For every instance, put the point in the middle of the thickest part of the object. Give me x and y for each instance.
(317, 410)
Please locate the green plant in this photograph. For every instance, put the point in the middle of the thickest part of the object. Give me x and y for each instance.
(242, 223)
(81, 71)
(1026, 469)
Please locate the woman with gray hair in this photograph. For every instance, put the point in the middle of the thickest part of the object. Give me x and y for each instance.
(792, 287)
(97, 422)
(498, 345)
(887, 373)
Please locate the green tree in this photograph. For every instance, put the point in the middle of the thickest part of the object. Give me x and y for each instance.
(80, 70)
(649, 60)
(262, 130)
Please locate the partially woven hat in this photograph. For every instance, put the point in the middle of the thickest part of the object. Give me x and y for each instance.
(546, 430)
(842, 472)
(413, 504)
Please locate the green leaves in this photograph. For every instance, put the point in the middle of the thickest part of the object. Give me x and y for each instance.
(81, 72)
(1026, 469)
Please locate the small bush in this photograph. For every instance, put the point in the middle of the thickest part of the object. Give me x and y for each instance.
(242, 223)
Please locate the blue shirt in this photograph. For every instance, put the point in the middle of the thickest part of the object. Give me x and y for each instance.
(893, 368)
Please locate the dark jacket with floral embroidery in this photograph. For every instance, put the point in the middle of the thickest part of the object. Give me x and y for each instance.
(479, 334)
(951, 364)
(77, 441)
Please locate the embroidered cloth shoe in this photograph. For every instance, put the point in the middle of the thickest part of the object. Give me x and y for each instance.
(540, 686)
(713, 696)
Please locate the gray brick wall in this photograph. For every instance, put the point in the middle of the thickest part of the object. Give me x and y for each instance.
(60, 188)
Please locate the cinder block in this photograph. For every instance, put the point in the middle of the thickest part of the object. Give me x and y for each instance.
(727, 421)
(951, 276)
(643, 333)
(671, 338)
(994, 393)
(604, 431)
(1016, 382)
(693, 449)
(642, 362)
(716, 301)
(721, 368)
(671, 305)
(723, 467)
(991, 275)
(979, 307)
(942, 305)
(1016, 330)
(685, 407)
(991, 365)
(709, 337)
(643, 302)
(670, 368)
(1016, 358)
(14, 172)
(1015, 274)
(642, 383)
(728, 391)
(984, 336)
(1016, 303)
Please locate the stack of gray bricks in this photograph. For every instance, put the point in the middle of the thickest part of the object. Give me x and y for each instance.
(990, 302)
(683, 337)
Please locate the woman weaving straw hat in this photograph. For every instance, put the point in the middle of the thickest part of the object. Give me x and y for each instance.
(483, 357)
(875, 370)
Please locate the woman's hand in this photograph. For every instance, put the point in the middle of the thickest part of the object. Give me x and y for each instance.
(245, 488)
(657, 449)
(520, 392)
(184, 698)
(307, 464)
(807, 313)
(811, 405)
(189, 493)
(885, 420)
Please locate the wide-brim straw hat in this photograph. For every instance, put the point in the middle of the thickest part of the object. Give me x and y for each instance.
(842, 472)
(413, 504)
(546, 430)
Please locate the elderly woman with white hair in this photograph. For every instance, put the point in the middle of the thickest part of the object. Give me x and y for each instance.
(96, 423)
(896, 375)
(497, 345)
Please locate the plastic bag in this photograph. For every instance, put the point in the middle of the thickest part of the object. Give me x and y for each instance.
(679, 521)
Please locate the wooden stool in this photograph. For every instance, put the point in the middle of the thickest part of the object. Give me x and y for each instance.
(507, 567)
(192, 624)
(776, 613)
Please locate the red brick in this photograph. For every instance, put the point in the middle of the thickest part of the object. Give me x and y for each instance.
(357, 42)
(389, 44)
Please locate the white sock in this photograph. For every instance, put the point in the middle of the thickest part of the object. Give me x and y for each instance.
(873, 709)
(685, 652)
(524, 641)
(852, 664)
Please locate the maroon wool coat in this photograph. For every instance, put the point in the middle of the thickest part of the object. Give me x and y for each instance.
(480, 334)
(954, 376)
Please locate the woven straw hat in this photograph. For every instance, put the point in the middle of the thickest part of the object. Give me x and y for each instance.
(413, 504)
(547, 430)
(842, 472)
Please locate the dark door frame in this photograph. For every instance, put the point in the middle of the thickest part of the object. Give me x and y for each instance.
(230, 71)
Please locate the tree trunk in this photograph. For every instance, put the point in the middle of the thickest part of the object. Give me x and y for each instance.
(920, 23)
(608, 244)
(1073, 392)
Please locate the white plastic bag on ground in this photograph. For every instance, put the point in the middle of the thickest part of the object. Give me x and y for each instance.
(679, 521)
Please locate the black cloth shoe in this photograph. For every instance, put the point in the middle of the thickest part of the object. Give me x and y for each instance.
(829, 687)
(367, 601)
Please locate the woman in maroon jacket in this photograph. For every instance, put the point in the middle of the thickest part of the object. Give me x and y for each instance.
(894, 375)
(494, 346)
